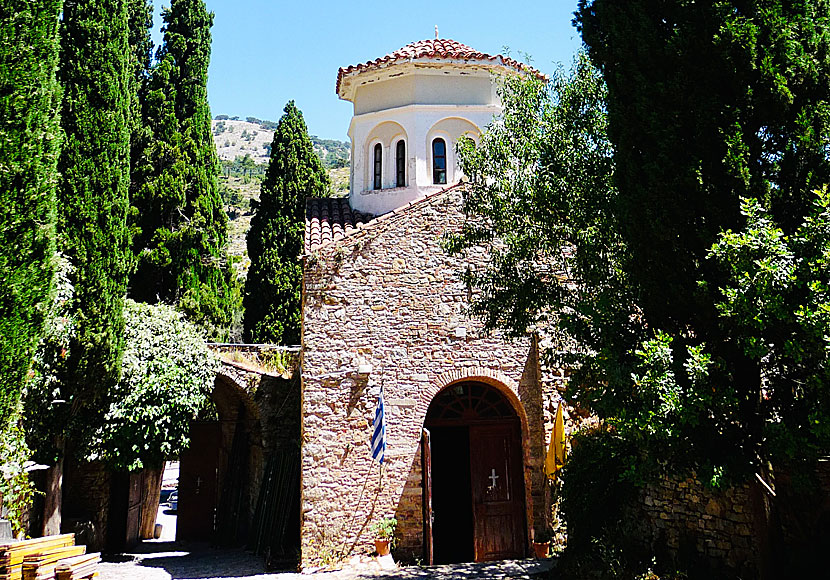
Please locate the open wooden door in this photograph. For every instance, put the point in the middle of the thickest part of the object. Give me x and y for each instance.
(426, 474)
(498, 491)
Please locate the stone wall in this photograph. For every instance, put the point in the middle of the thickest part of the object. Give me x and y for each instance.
(86, 503)
(772, 529)
(388, 300)
(688, 522)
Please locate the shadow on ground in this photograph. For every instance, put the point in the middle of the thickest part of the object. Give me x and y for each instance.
(184, 560)
(503, 570)
(160, 560)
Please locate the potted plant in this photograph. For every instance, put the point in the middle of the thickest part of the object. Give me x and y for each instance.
(541, 542)
(384, 531)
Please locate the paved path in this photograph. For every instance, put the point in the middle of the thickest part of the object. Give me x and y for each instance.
(173, 561)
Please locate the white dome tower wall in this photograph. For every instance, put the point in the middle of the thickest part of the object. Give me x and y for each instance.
(428, 90)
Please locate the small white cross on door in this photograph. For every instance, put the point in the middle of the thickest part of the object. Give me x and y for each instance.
(493, 477)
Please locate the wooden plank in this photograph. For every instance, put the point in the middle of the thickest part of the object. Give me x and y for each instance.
(53, 555)
(12, 554)
(78, 567)
(60, 539)
(42, 566)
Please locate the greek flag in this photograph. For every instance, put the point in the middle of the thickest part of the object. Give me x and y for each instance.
(379, 431)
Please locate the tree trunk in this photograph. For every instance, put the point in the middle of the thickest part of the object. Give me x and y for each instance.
(53, 501)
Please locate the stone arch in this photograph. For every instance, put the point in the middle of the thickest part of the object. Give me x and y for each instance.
(233, 386)
(509, 389)
(229, 446)
(497, 379)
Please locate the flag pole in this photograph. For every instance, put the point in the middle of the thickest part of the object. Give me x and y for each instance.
(377, 444)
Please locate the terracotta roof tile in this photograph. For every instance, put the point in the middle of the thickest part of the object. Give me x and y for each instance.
(330, 219)
(443, 48)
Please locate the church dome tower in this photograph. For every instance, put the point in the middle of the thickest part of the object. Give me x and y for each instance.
(410, 109)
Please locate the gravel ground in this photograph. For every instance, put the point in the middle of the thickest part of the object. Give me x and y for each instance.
(170, 560)
(166, 559)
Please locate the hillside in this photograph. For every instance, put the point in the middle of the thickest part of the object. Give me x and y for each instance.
(244, 148)
(236, 138)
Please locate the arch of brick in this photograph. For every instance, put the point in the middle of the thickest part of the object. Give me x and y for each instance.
(510, 390)
(494, 378)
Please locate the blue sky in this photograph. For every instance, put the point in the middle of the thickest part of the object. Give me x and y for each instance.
(266, 53)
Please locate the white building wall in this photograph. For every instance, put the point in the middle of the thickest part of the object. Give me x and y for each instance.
(419, 102)
(449, 87)
(420, 124)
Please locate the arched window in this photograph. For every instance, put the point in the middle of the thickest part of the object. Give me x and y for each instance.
(439, 161)
(378, 166)
(400, 164)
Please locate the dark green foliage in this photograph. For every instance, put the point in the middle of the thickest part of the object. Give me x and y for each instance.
(92, 197)
(686, 213)
(275, 240)
(720, 117)
(29, 142)
(179, 224)
(685, 293)
(596, 503)
(140, 22)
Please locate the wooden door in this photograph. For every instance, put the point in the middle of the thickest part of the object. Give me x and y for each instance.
(498, 491)
(134, 508)
(426, 475)
(198, 483)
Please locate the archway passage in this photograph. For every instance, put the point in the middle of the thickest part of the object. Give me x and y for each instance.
(474, 496)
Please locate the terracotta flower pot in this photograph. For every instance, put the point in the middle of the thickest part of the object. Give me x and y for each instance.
(541, 550)
(382, 547)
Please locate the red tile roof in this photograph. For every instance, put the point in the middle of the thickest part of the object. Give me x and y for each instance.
(440, 48)
(330, 219)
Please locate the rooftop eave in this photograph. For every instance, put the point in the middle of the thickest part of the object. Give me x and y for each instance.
(349, 81)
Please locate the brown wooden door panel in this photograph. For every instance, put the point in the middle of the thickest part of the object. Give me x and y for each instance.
(198, 483)
(498, 493)
(426, 474)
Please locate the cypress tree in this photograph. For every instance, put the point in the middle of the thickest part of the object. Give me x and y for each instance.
(140, 22)
(178, 218)
(29, 143)
(92, 198)
(272, 290)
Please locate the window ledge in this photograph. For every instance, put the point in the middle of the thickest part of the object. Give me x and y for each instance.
(384, 190)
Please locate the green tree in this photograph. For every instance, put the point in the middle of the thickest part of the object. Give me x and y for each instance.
(29, 144)
(167, 377)
(720, 118)
(680, 210)
(179, 224)
(275, 240)
(92, 200)
(93, 194)
(546, 199)
(140, 22)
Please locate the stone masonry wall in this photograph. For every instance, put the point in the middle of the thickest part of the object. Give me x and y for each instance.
(690, 521)
(389, 296)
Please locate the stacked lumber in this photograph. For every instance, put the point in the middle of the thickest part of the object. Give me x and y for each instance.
(42, 566)
(12, 554)
(78, 567)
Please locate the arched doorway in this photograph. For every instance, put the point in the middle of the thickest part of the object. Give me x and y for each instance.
(217, 470)
(474, 494)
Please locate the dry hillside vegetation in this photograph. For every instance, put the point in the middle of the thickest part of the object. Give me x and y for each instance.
(239, 138)
(244, 149)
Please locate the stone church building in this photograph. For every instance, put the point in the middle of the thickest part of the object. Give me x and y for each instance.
(468, 414)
